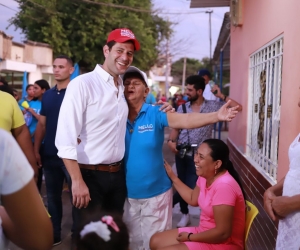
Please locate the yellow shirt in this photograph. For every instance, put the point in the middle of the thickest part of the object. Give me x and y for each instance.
(10, 114)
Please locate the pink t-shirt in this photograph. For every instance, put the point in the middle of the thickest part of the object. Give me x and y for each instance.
(223, 191)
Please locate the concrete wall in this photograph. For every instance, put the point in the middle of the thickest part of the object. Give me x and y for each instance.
(264, 21)
(17, 52)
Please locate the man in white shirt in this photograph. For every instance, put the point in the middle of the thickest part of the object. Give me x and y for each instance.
(95, 110)
(207, 94)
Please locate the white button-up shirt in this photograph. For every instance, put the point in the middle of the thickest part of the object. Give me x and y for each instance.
(92, 111)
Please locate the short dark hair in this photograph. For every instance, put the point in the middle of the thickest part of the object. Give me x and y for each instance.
(2, 79)
(135, 75)
(28, 86)
(43, 84)
(7, 89)
(197, 81)
(110, 44)
(69, 60)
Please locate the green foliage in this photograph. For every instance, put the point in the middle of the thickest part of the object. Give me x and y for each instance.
(79, 28)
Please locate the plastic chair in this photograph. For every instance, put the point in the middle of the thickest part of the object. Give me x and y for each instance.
(251, 212)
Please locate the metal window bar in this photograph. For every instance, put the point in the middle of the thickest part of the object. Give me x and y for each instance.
(264, 107)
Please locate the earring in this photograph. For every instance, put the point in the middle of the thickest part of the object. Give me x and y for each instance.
(215, 171)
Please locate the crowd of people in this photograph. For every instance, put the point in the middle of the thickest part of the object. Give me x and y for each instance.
(103, 134)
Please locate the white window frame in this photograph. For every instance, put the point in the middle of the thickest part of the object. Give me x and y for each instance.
(269, 59)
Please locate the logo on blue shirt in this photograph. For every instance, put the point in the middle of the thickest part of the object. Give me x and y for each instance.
(145, 128)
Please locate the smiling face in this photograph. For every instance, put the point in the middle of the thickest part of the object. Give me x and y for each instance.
(135, 90)
(204, 163)
(118, 58)
(192, 93)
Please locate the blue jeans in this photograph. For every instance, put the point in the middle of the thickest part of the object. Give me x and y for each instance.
(186, 172)
(107, 191)
(55, 173)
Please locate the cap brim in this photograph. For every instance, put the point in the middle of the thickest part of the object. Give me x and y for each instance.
(126, 39)
(135, 69)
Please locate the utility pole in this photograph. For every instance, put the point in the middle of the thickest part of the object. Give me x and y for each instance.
(183, 75)
(167, 70)
(167, 73)
(210, 59)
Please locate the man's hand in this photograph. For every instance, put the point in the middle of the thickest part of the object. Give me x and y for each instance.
(269, 196)
(218, 93)
(280, 205)
(182, 237)
(227, 114)
(172, 146)
(80, 193)
(165, 106)
(38, 159)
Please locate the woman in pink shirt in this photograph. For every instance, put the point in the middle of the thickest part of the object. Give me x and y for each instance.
(220, 196)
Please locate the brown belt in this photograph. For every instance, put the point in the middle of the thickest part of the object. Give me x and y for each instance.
(113, 167)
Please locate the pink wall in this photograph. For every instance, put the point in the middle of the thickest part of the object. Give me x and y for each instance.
(264, 21)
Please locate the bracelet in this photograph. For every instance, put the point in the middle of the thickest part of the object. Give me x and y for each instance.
(189, 236)
(170, 140)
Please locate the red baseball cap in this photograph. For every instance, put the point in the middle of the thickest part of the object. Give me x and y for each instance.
(123, 35)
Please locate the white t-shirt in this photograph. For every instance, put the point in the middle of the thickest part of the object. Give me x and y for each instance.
(208, 95)
(15, 170)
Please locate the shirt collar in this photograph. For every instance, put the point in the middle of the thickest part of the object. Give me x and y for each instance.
(105, 75)
(55, 88)
(189, 103)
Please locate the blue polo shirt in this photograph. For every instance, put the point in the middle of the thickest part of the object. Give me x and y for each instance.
(51, 102)
(145, 173)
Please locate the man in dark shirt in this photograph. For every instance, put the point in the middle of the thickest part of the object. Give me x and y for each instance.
(54, 169)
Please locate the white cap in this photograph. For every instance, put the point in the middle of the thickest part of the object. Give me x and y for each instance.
(135, 69)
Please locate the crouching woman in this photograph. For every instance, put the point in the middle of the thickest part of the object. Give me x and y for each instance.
(219, 195)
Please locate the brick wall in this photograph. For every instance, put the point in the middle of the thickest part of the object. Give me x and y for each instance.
(263, 231)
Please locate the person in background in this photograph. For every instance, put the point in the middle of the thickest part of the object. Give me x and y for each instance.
(163, 98)
(220, 196)
(7, 89)
(3, 81)
(281, 201)
(54, 169)
(148, 207)
(30, 94)
(40, 87)
(150, 99)
(180, 100)
(207, 94)
(16, 94)
(180, 141)
(103, 232)
(23, 218)
(35, 105)
(12, 120)
(25, 103)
